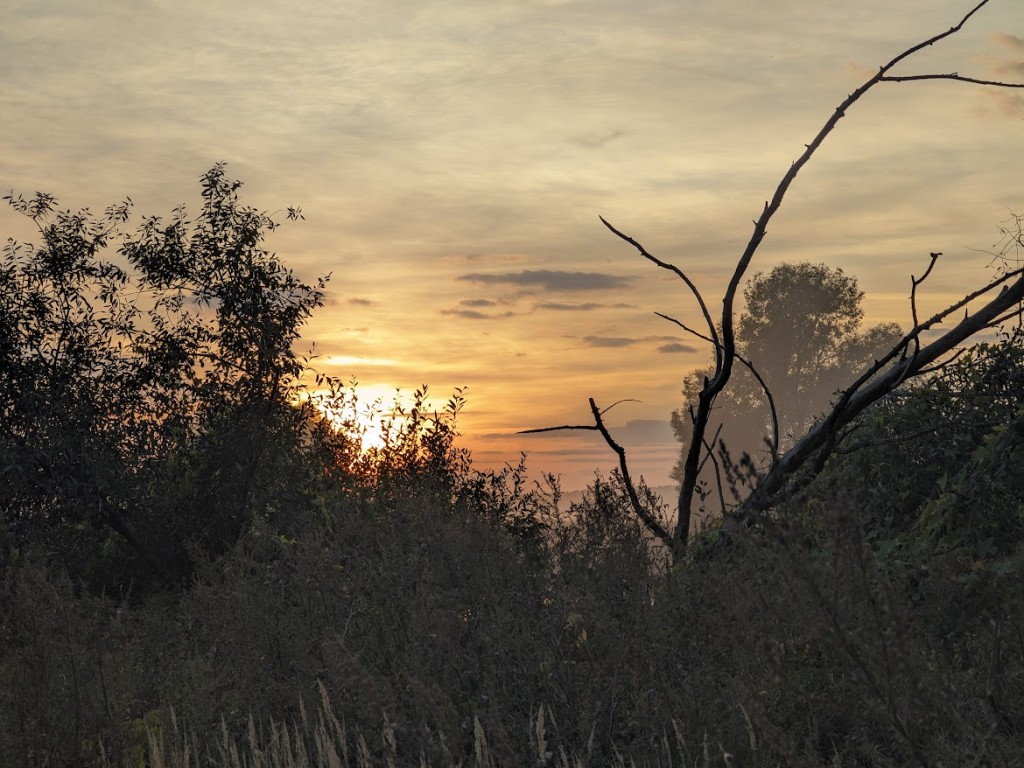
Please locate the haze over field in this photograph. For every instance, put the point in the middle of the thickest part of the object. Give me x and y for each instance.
(451, 160)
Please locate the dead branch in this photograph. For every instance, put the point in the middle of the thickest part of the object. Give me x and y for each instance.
(949, 76)
(773, 442)
(907, 359)
(648, 519)
(676, 271)
(714, 463)
(641, 512)
(819, 442)
(914, 283)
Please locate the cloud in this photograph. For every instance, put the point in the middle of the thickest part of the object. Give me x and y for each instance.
(362, 302)
(676, 347)
(1007, 104)
(608, 341)
(478, 303)
(562, 306)
(645, 431)
(1007, 69)
(352, 360)
(472, 314)
(672, 345)
(551, 280)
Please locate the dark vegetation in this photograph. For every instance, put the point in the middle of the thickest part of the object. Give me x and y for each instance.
(199, 568)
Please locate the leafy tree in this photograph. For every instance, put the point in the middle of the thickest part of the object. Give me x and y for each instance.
(146, 380)
(801, 331)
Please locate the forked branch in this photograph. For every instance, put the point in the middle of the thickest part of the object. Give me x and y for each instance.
(645, 515)
(821, 440)
(908, 358)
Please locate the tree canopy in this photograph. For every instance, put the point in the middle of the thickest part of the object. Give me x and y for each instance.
(801, 331)
(137, 370)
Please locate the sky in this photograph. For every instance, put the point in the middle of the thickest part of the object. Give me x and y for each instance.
(451, 159)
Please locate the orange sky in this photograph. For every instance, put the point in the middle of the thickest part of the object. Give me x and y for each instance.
(452, 158)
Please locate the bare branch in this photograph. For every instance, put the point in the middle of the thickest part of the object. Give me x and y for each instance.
(714, 463)
(714, 440)
(915, 339)
(774, 441)
(619, 402)
(688, 329)
(648, 519)
(934, 320)
(950, 76)
(820, 440)
(587, 427)
(599, 426)
(914, 282)
(911, 358)
(673, 269)
(724, 371)
(941, 366)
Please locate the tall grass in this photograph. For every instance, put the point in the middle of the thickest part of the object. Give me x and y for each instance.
(322, 741)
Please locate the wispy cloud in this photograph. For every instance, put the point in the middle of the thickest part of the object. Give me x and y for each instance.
(550, 280)
(478, 303)
(675, 346)
(350, 360)
(473, 314)
(361, 302)
(609, 341)
(588, 306)
(597, 140)
(1008, 68)
(671, 344)
(1012, 42)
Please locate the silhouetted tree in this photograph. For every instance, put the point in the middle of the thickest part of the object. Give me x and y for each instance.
(143, 391)
(800, 330)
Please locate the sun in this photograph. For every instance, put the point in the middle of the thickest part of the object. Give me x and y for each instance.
(363, 411)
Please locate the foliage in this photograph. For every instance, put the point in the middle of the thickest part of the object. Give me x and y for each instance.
(940, 461)
(132, 382)
(801, 331)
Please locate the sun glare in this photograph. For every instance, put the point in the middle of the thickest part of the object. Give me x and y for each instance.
(368, 415)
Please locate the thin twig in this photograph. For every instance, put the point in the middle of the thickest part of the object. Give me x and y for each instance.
(914, 282)
(718, 473)
(949, 76)
(648, 519)
(675, 270)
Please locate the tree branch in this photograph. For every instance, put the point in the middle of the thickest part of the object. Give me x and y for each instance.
(676, 271)
(714, 463)
(950, 76)
(648, 519)
(821, 438)
(874, 383)
(641, 512)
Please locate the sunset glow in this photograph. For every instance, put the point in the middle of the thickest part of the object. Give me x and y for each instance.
(451, 160)
(368, 412)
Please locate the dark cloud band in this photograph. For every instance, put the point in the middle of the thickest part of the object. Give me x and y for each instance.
(551, 280)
